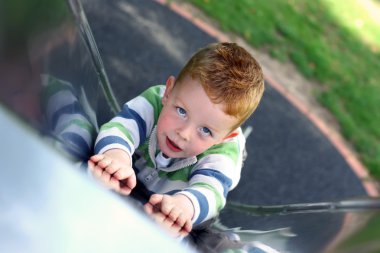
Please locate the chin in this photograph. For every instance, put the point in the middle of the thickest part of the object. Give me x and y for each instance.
(174, 155)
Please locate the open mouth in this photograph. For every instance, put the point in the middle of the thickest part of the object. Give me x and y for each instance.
(172, 146)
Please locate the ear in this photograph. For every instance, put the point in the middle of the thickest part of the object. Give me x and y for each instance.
(169, 87)
(232, 134)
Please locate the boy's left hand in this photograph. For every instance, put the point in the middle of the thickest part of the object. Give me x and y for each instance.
(174, 213)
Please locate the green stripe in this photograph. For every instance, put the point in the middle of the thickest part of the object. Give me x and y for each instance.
(180, 175)
(118, 126)
(54, 86)
(144, 148)
(234, 251)
(82, 124)
(230, 149)
(218, 197)
(153, 96)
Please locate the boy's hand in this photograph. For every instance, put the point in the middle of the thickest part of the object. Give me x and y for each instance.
(174, 213)
(113, 169)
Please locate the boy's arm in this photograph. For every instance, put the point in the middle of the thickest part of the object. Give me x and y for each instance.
(130, 127)
(202, 200)
(215, 174)
(118, 139)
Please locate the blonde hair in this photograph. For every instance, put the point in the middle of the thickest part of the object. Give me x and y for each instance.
(230, 76)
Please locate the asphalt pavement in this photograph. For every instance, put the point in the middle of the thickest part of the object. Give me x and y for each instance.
(289, 159)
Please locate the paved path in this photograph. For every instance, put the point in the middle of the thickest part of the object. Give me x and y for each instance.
(290, 160)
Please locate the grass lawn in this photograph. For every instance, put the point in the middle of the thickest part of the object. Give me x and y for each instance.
(334, 42)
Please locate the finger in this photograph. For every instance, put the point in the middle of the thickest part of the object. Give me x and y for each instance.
(121, 186)
(174, 229)
(156, 199)
(148, 208)
(179, 218)
(90, 165)
(114, 183)
(131, 181)
(174, 215)
(96, 158)
(169, 223)
(127, 185)
(154, 210)
(123, 173)
(105, 178)
(183, 233)
(167, 208)
(187, 227)
(112, 167)
(165, 222)
(105, 162)
(97, 171)
(125, 191)
(158, 216)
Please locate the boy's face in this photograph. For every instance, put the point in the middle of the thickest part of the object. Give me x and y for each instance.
(189, 122)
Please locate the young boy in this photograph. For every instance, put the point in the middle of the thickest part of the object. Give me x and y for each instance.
(186, 136)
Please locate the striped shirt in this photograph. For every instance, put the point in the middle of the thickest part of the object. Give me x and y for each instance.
(205, 179)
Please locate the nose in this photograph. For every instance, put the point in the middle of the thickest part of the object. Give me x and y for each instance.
(184, 132)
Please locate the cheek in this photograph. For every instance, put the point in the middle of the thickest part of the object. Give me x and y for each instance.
(165, 121)
(198, 146)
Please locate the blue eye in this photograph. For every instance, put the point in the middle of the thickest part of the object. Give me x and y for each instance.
(181, 112)
(205, 131)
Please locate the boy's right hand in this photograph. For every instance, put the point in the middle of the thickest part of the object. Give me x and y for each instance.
(113, 169)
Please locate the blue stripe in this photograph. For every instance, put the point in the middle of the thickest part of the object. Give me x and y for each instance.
(76, 155)
(110, 140)
(223, 179)
(128, 113)
(172, 192)
(76, 144)
(74, 108)
(203, 205)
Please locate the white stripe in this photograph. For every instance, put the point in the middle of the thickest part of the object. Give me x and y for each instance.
(221, 163)
(241, 141)
(162, 91)
(65, 119)
(215, 183)
(131, 126)
(114, 146)
(210, 196)
(114, 131)
(58, 101)
(145, 110)
(73, 128)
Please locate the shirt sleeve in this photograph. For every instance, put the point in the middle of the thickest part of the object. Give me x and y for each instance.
(216, 173)
(130, 127)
